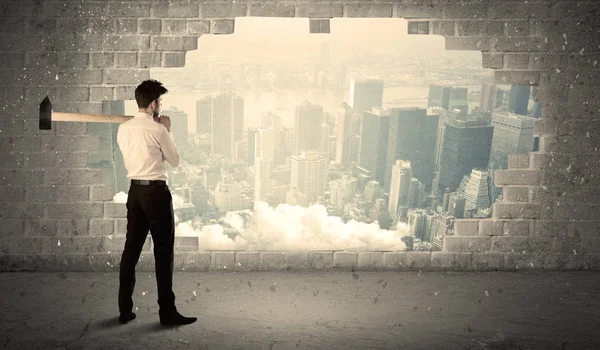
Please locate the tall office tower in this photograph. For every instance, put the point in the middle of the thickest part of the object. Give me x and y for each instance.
(204, 115)
(416, 223)
(374, 142)
(456, 205)
(251, 143)
(271, 120)
(448, 97)
(332, 148)
(488, 97)
(379, 212)
(265, 143)
(400, 186)
(344, 134)
(354, 153)
(402, 213)
(493, 190)
(429, 225)
(500, 95)
(307, 127)
(308, 174)
(475, 189)
(466, 146)
(446, 200)
(241, 149)
(365, 94)
(441, 129)
(324, 141)
(412, 137)
(229, 195)
(416, 195)
(513, 134)
(519, 99)
(372, 191)
(227, 123)
(262, 178)
(343, 191)
(295, 197)
(179, 126)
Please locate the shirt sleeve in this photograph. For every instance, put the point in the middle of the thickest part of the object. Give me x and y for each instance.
(169, 148)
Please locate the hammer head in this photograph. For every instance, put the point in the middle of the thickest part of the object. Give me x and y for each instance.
(46, 114)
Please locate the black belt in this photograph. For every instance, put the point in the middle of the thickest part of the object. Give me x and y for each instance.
(149, 182)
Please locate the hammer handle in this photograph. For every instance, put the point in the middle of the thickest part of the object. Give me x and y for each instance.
(91, 118)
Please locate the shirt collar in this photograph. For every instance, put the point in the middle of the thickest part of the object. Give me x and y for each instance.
(143, 115)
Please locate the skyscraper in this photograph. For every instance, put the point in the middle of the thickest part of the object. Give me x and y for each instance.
(265, 144)
(308, 174)
(412, 137)
(400, 186)
(513, 134)
(365, 94)
(374, 142)
(307, 127)
(251, 143)
(519, 99)
(227, 123)
(488, 97)
(456, 205)
(179, 126)
(342, 191)
(475, 189)
(344, 134)
(448, 97)
(416, 194)
(204, 115)
(466, 146)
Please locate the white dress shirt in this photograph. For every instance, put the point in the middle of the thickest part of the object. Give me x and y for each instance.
(145, 145)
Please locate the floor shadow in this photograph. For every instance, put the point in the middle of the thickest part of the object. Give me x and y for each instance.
(110, 322)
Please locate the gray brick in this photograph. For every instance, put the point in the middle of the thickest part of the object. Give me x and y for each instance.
(71, 25)
(319, 26)
(73, 176)
(490, 227)
(487, 261)
(493, 28)
(320, 10)
(73, 93)
(223, 10)
(469, 28)
(125, 76)
(370, 259)
(271, 260)
(516, 60)
(117, 243)
(466, 244)
(81, 210)
(78, 244)
(269, 9)
(445, 28)
(516, 211)
(19, 246)
(222, 26)
(57, 193)
(510, 10)
(21, 177)
(11, 159)
(12, 227)
(102, 60)
(419, 10)
(454, 261)
(56, 160)
(418, 260)
(368, 10)
(12, 60)
(222, 260)
(189, 243)
(247, 260)
(20, 144)
(492, 60)
(149, 26)
(77, 77)
(393, 260)
(120, 226)
(36, 228)
(319, 260)
(12, 127)
(167, 43)
(35, 26)
(467, 43)
(518, 161)
(125, 92)
(527, 244)
(126, 26)
(197, 27)
(175, 9)
(521, 77)
(126, 59)
(12, 194)
(418, 27)
(174, 59)
(173, 26)
(20, 210)
(128, 9)
(345, 259)
(463, 10)
(465, 227)
(77, 42)
(115, 210)
(517, 28)
(150, 59)
(72, 227)
(101, 226)
(32, 127)
(297, 260)
(126, 43)
(101, 93)
(517, 227)
(102, 26)
(516, 194)
(62, 143)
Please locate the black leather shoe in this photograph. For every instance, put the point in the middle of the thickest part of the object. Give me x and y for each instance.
(124, 318)
(174, 318)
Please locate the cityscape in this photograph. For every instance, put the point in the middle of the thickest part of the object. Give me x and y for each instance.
(366, 157)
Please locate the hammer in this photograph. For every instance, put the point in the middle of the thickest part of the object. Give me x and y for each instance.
(46, 116)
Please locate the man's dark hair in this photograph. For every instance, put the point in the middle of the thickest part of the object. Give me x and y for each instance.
(148, 91)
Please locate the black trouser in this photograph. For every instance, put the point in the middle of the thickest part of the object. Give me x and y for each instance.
(149, 207)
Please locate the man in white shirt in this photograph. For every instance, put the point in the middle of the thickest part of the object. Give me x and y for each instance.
(146, 142)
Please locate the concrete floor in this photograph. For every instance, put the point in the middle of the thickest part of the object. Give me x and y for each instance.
(307, 310)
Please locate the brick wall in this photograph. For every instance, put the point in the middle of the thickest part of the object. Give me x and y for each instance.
(84, 53)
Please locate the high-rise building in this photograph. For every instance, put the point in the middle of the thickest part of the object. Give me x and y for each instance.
(227, 123)
(519, 99)
(412, 137)
(400, 186)
(229, 195)
(372, 192)
(344, 134)
(309, 174)
(493, 190)
(342, 191)
(456, 205)
(374, 142)
(324, 141)
(271, 120)
(466, 146)
(416, 195)
(251, 143)
(500, 95)
(179, 126)
(307, 127)
(488, 97)
(295, 197)
(448, 97)
(475, 189)
(513, 134)
(204, 115)
(241, 149)
(262, 178)
(365, 94)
